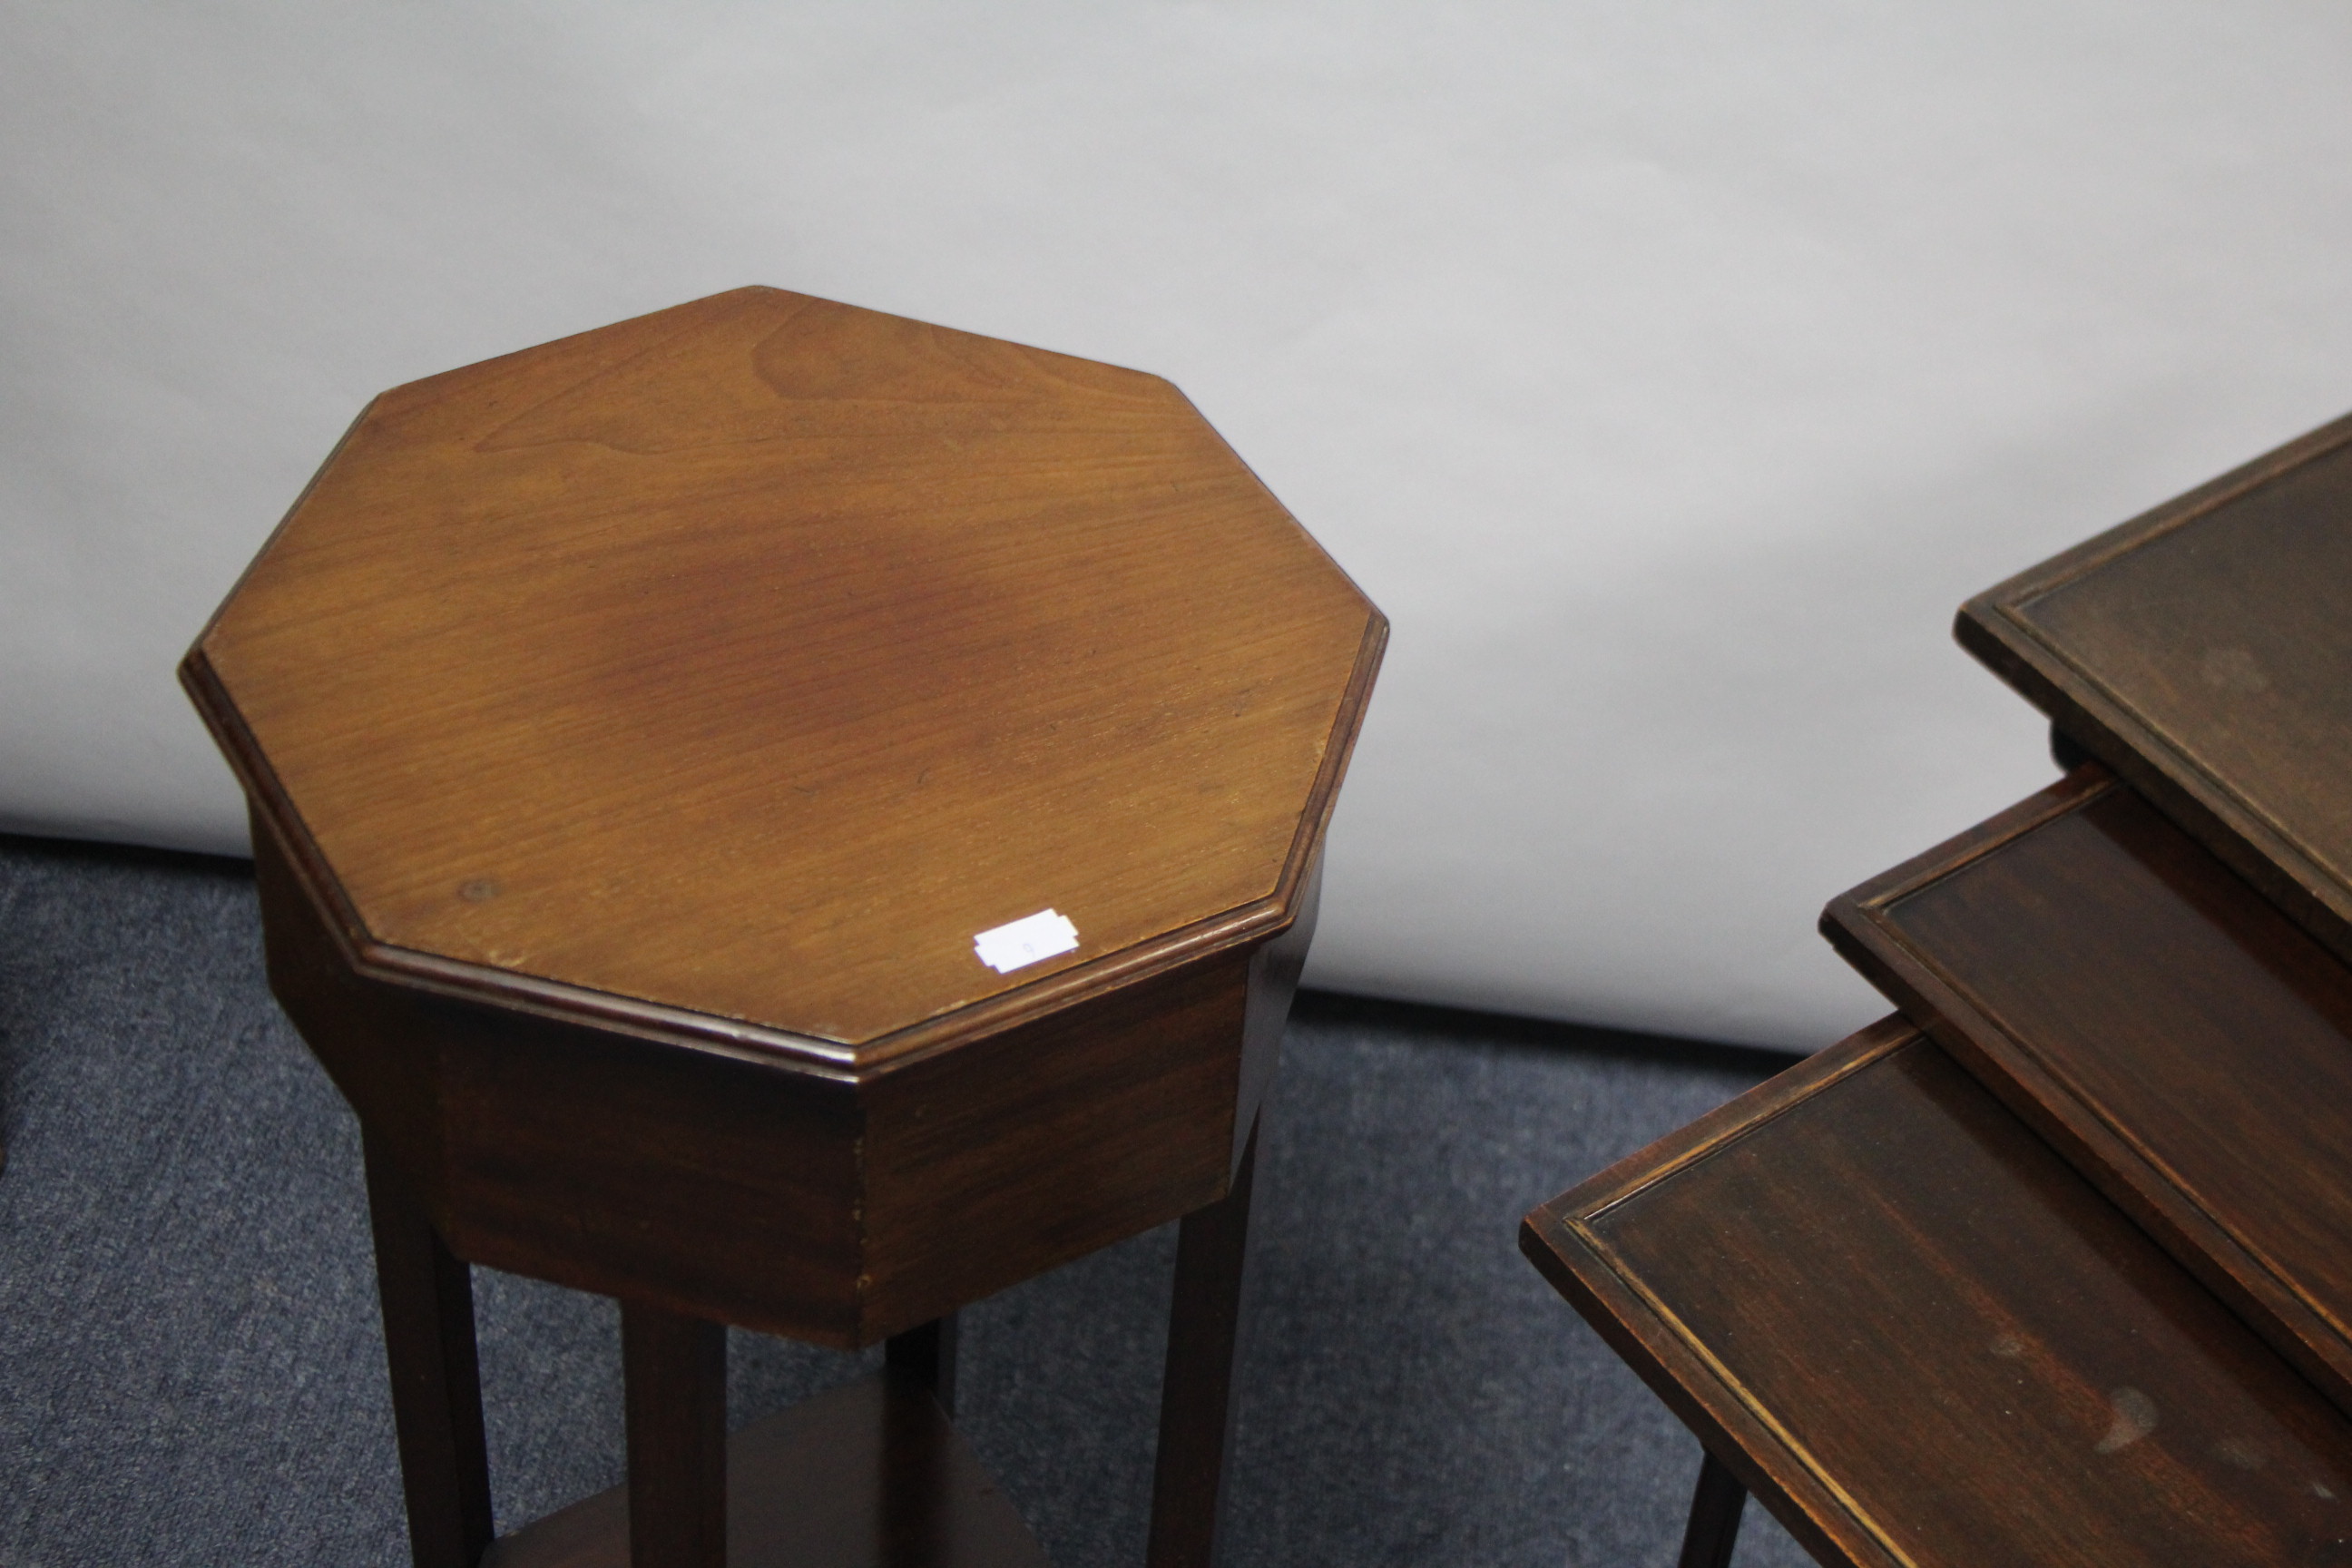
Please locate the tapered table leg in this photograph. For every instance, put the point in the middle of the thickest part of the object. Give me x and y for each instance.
(437, 1387)
(926, 1354)
(675, 1373)
(913, 1491)
(1196, 1407)
(1716, 1504)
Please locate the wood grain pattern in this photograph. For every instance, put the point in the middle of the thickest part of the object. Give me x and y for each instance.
(1015, 1154)
(675, 1378)
(1206, 1333)
(639, 730)
(2204, 652)
(2177, 1035)
(729, 669)
(427, 1297)
(1921, 1338)
(870, 1475)
(756, 1191)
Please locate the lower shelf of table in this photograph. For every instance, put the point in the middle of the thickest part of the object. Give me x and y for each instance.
(870, 1474)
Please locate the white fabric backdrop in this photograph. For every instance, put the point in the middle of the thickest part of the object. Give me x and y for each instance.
(1668, 372)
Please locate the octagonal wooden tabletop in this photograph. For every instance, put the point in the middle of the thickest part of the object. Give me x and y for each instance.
(748, 661)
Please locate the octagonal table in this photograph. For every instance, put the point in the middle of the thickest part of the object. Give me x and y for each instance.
(788, 816)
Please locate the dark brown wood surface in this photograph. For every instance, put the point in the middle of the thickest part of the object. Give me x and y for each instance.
(639, 730)
(760, 1193)
(2188, 1044)
(673, 1371)
(1719, 1505)
(427, 1297)
(1921, 1338)
(2204, 651)
(1206, 1333)
(870, 1475)
(928, 1354)
(727, 670)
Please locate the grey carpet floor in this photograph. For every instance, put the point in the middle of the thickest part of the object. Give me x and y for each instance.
(191, 1372)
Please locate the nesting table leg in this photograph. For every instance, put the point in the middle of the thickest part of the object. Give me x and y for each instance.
(1196, 1410)
(437, 1387)
(1715, 1507)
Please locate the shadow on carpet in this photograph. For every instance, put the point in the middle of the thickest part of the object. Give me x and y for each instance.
(194, 1374)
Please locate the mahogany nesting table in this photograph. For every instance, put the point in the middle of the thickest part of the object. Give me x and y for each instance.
(2055, 1267)
(793, 817)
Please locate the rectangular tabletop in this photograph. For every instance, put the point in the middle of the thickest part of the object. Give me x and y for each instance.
(1921, 1338)
(2204, 651)
(2189, 1047)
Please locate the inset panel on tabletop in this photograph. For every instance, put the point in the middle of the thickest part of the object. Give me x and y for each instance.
(2184, 1042)
(1922, 1338)
(2204, 651)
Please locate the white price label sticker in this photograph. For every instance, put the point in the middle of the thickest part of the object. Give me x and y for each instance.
(1025, 941)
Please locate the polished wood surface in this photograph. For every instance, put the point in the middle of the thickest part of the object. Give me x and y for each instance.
(1197, 1410)
(674, 1373)
(427, 1297)
(870, 1475)
(1921, 1338)
(1717, 1505)
(641, 729)
(2204, 651)
(2187, 1044)
(822, 1207)
(727, 671)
